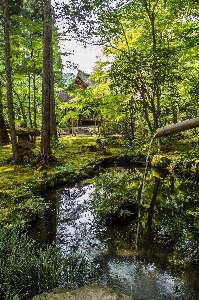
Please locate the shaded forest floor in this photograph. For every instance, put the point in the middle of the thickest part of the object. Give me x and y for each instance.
(77, 158)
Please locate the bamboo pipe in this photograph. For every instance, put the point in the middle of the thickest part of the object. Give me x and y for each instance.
(177, 127)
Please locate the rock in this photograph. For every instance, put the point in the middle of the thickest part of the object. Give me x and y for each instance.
(89, 292)
(160, 161)
(160, 173)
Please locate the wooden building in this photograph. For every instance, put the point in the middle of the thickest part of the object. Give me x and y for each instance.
(81, 81)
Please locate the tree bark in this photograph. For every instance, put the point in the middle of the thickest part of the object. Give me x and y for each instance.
(45, 150)
(4, 137)
(29, 101)
(53, 125)
(11, 114)
(21, 108)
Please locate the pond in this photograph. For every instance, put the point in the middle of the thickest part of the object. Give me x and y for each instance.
(154, 256)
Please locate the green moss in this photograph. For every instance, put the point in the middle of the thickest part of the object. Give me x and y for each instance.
(76, 158)
(20, 182)
(160, 161)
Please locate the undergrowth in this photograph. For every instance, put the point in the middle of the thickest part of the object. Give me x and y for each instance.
(26, 270)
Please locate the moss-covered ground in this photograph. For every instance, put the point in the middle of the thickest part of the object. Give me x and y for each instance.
(20, 184)
(79, 157)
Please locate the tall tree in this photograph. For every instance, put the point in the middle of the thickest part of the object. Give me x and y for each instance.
(48, 86)
(4, 137)
(11, 114)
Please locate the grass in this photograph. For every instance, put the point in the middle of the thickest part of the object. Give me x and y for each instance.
(26, 270)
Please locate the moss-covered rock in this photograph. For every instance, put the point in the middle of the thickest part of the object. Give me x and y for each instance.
(160, 161)
(89, 292)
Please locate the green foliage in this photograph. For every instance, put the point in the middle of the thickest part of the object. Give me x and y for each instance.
(148, 73)
(76, 271)
(135, 151)
(26, 37)
(15, 7)
(26, 270)
(65, 169)
(115, 194)
(183, 151)
(33, 9)
(22, 207)
(18, 263)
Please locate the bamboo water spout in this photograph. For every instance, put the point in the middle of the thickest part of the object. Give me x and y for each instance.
(177, 127)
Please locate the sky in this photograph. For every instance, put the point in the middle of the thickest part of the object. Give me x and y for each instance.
(84, 57)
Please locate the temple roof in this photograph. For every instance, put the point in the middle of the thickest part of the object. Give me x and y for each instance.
(82, 81)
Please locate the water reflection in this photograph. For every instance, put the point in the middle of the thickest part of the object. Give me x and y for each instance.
(148, 258)
(145, 281)
(77, 228)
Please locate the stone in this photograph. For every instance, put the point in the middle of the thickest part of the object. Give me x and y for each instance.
(160, 161)
(89, 292)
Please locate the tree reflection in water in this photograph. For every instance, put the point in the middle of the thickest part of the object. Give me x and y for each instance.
(153, 257)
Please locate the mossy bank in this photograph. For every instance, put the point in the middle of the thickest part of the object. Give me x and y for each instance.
(81, 157)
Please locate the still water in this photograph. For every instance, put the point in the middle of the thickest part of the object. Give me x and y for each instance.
(152, 257)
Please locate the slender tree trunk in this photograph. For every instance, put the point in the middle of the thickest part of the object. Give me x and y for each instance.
(29, 100)
(4, 137)
(53, 125)
(34, 98)
(9, 83)
(22, 110)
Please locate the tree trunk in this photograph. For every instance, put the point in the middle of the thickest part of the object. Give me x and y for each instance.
(53, 125)
(29, 101)
(21, 108)
(34, 99)
(4, 137)
(9, 83)
(45, 150)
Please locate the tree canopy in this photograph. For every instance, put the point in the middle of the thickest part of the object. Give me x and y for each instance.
(146, 77)
(150, 56)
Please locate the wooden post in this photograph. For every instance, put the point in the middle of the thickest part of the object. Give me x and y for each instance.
(72, 122)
